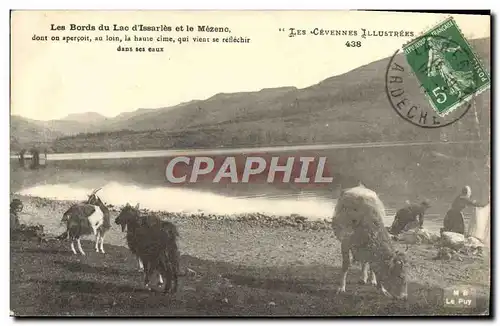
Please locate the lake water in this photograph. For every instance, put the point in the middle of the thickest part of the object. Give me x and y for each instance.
(396, 171)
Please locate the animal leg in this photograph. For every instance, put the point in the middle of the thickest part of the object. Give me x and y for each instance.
(173, 273)
(365, 271)
(141, 265)
(147, 272)
(160, 279)
(373, 279)
(102, 243)
(166, 270)
(80, 247)
(346, 261)
(73, 247)
(151, 269)
(97, 238)
(174, 263)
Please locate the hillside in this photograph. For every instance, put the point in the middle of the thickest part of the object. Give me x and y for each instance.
(86, 117)
(352, 107)
(26, 133)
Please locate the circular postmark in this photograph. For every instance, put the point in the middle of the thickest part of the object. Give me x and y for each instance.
(431, 86)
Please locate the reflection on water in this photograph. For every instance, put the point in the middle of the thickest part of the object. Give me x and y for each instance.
(192, 201)
(435, 172)
(187, 200)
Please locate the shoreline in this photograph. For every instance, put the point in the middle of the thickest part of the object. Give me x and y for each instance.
(161, 152)
(255, 218)
(306, 212)
(204, 236)
(293, 265)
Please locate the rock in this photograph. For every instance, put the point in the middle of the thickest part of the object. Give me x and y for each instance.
(418, 236)
(28, 233)
(445, 253)
(473, 243)
(473, 250)
(452, 240)
(434, 237)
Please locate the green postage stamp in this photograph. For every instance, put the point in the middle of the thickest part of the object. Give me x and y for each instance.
(446, 67)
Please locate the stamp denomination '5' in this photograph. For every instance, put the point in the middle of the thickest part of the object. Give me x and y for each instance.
(446, 67)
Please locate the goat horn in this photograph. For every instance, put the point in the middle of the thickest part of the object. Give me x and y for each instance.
(95, 191)
(407, 247)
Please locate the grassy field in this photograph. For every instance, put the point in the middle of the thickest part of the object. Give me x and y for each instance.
(243, 268)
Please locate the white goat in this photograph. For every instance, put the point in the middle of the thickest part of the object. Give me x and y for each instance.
(82, 219)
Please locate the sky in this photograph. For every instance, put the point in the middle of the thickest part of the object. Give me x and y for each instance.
(50, 80)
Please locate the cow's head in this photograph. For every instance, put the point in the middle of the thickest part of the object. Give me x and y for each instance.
(128, 216)
(394, 275)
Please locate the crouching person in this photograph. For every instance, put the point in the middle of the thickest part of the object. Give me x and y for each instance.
(409, 217)
(358, 224)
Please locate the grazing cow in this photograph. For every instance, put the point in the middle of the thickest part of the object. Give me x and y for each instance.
(358, 224)
(106, 225)
(154, 242)
(82, 219)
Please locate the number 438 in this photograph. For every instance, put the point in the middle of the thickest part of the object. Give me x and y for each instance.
(353, 44)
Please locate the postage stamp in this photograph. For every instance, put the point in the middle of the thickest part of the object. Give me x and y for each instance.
(446, 67)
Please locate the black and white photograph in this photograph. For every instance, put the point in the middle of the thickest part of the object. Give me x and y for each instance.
(250, 163)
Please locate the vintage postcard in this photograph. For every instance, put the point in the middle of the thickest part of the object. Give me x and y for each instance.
(250, 163)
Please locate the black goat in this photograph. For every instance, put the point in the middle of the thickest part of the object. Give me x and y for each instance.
(154, 242)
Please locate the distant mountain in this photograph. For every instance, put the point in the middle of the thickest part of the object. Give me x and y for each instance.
(220, 108)
(351, 107)
(86, 117)
(71, 125)
(132, 120)
(25, 133)
(128, 115)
